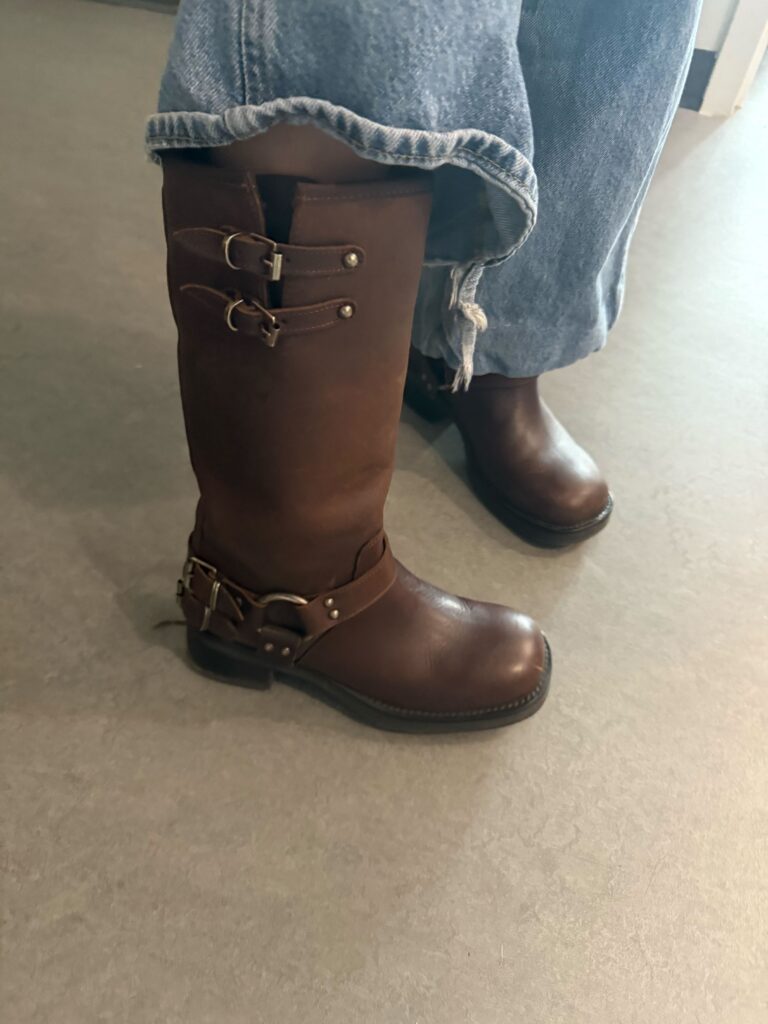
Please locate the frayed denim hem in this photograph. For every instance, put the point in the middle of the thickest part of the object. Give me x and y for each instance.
(509, 180)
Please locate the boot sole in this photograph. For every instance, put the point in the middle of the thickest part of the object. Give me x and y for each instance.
(241, 666)
(537, 532)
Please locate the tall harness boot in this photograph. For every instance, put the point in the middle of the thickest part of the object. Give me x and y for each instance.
(294, 303)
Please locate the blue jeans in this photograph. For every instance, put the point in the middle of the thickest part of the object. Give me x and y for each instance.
(524, 268)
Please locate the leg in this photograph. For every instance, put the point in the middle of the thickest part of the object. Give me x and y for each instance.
(401, 84)
(603, 83)
(299, 151)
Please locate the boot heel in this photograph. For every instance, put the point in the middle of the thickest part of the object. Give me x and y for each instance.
(230, 663)
(428, 404)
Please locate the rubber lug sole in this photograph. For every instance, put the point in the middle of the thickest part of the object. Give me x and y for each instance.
(240, 665)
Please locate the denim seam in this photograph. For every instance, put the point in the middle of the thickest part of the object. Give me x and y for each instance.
(299, 104)
(171, 140)
(501, 177)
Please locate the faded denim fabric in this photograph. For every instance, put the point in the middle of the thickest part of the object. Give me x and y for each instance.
(463, 90)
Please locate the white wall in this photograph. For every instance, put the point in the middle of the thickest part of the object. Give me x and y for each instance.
(715, 18)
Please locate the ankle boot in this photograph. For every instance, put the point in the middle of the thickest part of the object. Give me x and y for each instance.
(292, 357)
(522, 463)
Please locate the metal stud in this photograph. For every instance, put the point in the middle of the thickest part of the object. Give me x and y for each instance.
(328, 602)
(346, 311)
(269, 648)
(285, 651)
(334, 614)
(351, 260)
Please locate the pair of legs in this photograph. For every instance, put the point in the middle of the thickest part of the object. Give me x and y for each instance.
(310, 238)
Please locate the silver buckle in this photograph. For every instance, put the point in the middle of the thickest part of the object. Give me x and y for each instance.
(186, 579)
(262, 601)
(273, 261)
(270, 330)
(225, 246)
(231, 307)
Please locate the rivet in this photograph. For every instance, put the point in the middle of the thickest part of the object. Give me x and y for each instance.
(285, 651)
(351, 260)
(269, 647)
(334, 614)
(346, 311)
(328, 602)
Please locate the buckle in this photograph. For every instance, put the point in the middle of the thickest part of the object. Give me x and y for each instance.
(231, 307)
(183, 585)
(273, 261)
(269, 329)
(270, 325)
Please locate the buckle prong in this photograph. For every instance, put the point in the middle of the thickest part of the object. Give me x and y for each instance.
(269, 329)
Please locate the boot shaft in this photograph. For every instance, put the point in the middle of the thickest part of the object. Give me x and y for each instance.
(292, 356)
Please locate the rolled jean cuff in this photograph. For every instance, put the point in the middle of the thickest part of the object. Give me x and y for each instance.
(473, 225)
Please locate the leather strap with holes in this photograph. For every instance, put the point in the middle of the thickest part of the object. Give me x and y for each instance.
(215, 603)
(242, 250)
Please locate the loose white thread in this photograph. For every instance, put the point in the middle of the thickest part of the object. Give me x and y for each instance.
(465, 279)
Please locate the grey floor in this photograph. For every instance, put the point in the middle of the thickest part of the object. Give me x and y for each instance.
(178, 851)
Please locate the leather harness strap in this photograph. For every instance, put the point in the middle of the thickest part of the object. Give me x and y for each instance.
(250, 317)
(214, 603)
(243, 250)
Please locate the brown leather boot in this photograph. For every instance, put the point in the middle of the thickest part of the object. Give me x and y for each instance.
(522, 463)
(292, 357)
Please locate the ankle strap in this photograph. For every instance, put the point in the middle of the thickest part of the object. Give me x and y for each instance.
(212, 602)
(244, 250)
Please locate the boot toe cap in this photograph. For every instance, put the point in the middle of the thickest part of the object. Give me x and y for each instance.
(582, 499)
(511, 662)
